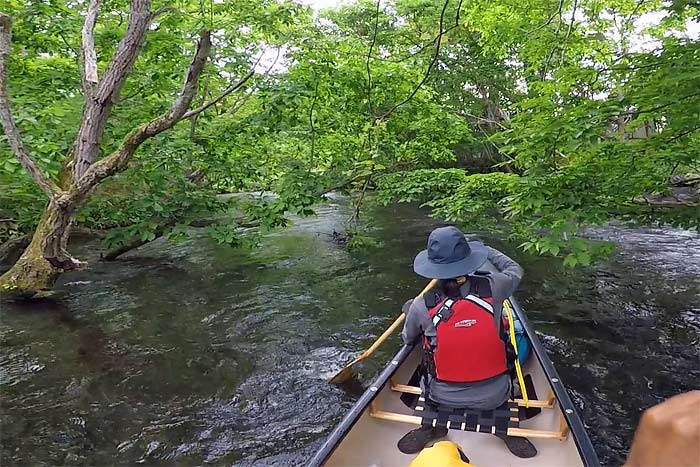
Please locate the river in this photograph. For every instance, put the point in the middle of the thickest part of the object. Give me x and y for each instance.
(194, 353)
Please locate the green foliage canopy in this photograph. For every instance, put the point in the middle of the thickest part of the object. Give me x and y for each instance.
(552, 115)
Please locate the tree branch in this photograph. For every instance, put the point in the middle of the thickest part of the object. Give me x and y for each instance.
(682, 134)
(464, 113)
(543, 73)
(312, 153)
(634, 12)
(369, 56)
(118, 160)
(8, 122)
(430, 65)
(133, 94)
(568, 33)
(356, 213)
(162, 10)
(420, 49)
(194, 118)
(222, 96)
(233, 88)
(228, 91)
(658, 107)
(89, 55)
(98, 107)
(65, 41)
(457, 17)
(242, 99)
(240, 102)
(136, 242)
(11, 250)
(546, 23)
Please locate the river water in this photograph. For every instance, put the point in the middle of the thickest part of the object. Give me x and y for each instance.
(193, 353)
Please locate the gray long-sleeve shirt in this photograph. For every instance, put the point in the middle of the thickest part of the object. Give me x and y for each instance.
(500, 278)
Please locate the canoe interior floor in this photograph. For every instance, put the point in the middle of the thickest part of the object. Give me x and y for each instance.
(372, 442)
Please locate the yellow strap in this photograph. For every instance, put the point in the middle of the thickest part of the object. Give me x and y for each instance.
(518, 370)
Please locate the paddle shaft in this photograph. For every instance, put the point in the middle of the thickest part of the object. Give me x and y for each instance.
(390, 330)
(346, 372)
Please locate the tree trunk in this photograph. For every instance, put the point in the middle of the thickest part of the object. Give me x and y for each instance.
(11, 250)
(44, 259)
(47, 257)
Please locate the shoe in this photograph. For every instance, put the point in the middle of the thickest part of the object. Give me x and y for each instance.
(520, 447)
(415, 440)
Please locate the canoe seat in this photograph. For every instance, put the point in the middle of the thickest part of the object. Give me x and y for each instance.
(496, 421)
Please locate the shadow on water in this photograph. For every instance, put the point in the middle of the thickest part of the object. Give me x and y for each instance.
(183, 354)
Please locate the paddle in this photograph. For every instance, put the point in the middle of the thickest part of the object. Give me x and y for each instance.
(513, 341)
(346, 373)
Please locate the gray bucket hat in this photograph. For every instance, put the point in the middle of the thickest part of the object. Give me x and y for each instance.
(449, 255)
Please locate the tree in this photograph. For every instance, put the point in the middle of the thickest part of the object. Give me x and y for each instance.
(83, 168)
(355, 100)
(569, 136)
(518, 111)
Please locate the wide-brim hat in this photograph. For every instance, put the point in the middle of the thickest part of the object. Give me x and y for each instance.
(449, 255)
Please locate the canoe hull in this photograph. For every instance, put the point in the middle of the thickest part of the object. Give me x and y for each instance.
(362, 439)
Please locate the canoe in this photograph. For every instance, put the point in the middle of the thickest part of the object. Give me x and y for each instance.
(369, 432)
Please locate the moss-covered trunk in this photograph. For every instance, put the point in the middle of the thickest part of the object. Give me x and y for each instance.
(44, 259)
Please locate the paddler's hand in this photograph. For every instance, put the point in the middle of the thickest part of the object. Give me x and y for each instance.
(668, 434)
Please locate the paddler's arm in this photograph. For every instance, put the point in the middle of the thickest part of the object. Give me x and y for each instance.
(502, 282)
(508, 277)
(417, 320)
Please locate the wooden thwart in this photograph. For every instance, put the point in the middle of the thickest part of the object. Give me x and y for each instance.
(563, 426)
(546, 404)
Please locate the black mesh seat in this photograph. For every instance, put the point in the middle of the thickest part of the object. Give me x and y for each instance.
(495, 421)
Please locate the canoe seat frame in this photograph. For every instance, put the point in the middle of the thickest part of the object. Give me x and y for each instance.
(561, 435)
(545, 404)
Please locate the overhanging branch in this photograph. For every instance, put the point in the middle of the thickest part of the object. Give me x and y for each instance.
(441, 33)
(8, 122)
(162, 10)
(367, 63)
(221, 97)
(242, 99)
(212, 102)
(232, 88)
(568, 33)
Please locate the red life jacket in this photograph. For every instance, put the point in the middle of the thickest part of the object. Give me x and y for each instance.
(467, 347)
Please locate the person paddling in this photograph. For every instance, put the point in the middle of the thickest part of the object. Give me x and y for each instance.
(466, 354)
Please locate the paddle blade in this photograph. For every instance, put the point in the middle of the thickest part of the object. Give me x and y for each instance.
(342, 376)
(346, 373)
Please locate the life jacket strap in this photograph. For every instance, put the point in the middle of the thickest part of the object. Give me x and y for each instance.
(429, 370)
(444, 313)
(481, 302)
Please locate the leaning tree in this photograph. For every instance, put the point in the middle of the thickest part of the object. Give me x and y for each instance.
(84, 168)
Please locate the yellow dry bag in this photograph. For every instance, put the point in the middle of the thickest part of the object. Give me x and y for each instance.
(441, 454)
